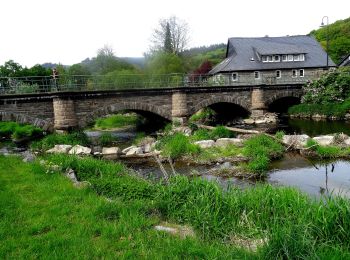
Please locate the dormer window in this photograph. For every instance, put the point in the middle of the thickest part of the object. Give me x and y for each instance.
(276, 58)
(296, 57)
(290, 57)
(302, 57)
(284, 58)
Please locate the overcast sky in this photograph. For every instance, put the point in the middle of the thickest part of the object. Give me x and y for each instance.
(68, 31)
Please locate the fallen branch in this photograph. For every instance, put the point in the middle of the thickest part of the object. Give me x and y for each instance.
(233, 129)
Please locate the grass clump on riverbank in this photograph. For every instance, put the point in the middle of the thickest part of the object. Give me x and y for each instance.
(329, 151)
(177, 145)
(19, 131)
(216, 133)
(290, 224)
(116, 121)
(260, 150)
(69, 138)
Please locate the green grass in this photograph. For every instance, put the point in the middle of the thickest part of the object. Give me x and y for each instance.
(326, 152)
(116, 121)
(43, 216)
(106, 139)
(331, 109)
(18, 131)
(177, 145)
(260, 150)
(51, 140)
(216, 133)
(212, 154)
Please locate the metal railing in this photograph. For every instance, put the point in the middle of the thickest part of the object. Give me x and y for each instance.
(64, 83)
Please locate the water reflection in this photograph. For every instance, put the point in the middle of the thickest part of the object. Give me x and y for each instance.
(330, 179)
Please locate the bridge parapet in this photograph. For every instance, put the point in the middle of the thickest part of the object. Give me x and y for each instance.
(83, 83)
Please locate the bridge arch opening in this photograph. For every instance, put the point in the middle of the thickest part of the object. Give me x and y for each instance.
(225, 113)
(138, 120)
(281, 105)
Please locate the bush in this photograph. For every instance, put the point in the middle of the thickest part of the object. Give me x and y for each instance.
(7, 129)
(221, 132)
(206, 115)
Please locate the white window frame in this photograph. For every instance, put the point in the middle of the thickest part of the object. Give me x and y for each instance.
(258, 74)
(280, 74)
(294, 75)
(264, 58)
(301, 73)
(302, 57)
(290, 57)
(270, 58)
(284, 57)
(278, 58)
(236, 78)
(296, 57)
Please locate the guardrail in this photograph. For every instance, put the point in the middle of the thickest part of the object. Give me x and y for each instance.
(62, 83)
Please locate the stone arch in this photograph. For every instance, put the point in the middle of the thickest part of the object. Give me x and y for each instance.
(46, 125)
(282, 94)
(220, 99)
(135, 106)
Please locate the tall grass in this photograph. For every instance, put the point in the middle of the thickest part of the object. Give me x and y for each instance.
(18, 131)
(260, 150)
(116, 121)
(177, 145)
(216, 133)
(51, 140)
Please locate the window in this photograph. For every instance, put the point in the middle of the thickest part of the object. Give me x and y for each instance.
(302, 57)
(294, 73)
(301, 73)
(276, 58)
(290, 57)
(264, 58)
(284, 57)
(234, 76)
(256, 74)
(296, 57)
(278, 74)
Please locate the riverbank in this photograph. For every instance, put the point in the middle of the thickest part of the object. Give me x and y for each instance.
(279, 222)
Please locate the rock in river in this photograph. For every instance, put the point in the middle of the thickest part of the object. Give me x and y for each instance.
(80, 150)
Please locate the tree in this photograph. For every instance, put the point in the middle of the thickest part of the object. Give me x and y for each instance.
(10, 69)
(168, 47)
(178, 30)
(165, 63)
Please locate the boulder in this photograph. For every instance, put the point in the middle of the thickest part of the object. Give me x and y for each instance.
(111, 151)
(135, 151)
(126, 150)
(147, 148)
(347, 142)
(205, 143)
(296, 141)
(226, 141)
(324, 139)
(28, 156)
(80, 150)
(60, 148)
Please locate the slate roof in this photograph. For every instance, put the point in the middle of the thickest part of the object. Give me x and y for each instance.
(240, 52)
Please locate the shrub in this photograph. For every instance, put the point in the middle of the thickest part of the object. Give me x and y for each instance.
(7, 129)
(18, 131)
(204, 116)
(221, 132)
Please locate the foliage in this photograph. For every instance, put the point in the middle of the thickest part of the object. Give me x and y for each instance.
(106, 139)
(51, 140)
(327, 151)
(203, 116)
(171, 36)
(260, 149)
(161, 63)
(116, 121)
(333, 86)
(14, 69)
(339, 38)
(330, 109)
(18, 131)
(221, 132)
(212, 154)
(177, 145)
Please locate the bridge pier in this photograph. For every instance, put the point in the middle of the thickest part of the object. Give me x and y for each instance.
(179, 109)
(65, 118)
(258, 107)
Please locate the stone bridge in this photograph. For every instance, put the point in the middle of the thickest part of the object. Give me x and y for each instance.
(67, 110)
